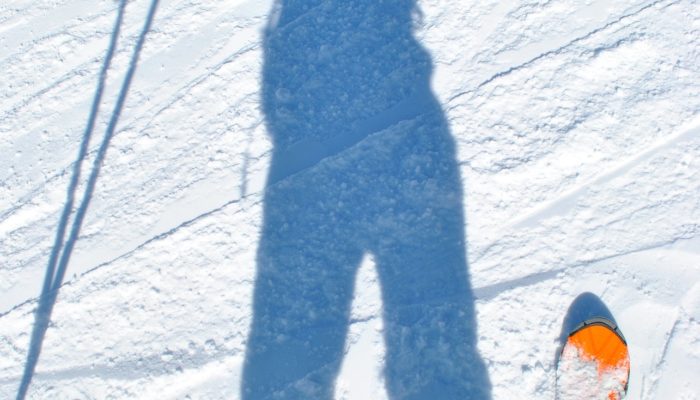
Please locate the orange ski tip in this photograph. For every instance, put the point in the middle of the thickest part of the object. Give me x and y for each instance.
(599, 343)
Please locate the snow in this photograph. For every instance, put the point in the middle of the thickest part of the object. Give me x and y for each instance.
(557, 148)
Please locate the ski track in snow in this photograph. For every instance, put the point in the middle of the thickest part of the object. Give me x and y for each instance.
(578, 135)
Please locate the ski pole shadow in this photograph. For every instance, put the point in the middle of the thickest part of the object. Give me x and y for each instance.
(63, 247)
(363, 162)
(584, 307)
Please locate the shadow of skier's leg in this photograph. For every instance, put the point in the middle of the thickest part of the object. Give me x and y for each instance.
(301, 303)
(430, 327)
(430, 324)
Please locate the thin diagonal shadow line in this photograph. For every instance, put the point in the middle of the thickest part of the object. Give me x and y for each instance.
(55, 272)
(44, 309)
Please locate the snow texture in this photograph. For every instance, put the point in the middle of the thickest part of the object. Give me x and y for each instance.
(345, 199)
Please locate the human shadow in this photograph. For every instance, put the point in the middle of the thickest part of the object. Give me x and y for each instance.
(585, 306)
(363, 162)
(62, 249)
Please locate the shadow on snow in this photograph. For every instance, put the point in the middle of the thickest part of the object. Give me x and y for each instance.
(363, 162)
(61, 251)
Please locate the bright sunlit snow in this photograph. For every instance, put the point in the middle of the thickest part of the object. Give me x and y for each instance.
(438, 180)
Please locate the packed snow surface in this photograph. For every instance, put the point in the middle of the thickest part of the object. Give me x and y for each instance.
(357, 199)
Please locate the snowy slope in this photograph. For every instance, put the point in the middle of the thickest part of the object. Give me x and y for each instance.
(576, 130)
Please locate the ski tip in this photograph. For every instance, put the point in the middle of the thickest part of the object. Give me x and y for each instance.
(594, 360)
